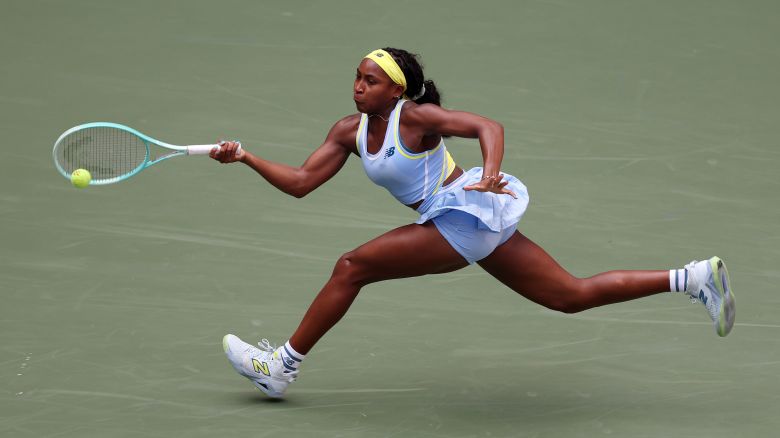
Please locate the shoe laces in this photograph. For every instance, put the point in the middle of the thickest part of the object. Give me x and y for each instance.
(266, 346)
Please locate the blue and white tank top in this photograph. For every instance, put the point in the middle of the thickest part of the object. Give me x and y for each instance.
(408, 176)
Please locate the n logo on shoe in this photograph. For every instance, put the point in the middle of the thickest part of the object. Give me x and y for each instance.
(260, 367)
(702, 297)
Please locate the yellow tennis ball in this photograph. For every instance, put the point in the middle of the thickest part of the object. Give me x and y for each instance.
(80, 178)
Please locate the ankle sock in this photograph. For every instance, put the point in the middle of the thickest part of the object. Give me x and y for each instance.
(678, 280)
(291, 358)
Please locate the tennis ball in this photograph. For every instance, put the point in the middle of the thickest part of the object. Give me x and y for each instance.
(80, 178)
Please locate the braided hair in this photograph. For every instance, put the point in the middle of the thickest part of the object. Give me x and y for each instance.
(413, 70)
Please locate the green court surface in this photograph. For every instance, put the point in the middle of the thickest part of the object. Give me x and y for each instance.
(646, 132)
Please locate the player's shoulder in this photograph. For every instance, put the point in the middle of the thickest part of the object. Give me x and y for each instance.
(346, 126)
(345, 130)
(415, 112)
(348, 123)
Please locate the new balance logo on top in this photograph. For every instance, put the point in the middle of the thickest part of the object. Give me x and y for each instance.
(702, 297)
(390, 152)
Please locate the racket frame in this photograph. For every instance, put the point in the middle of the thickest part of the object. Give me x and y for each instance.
(175, 150)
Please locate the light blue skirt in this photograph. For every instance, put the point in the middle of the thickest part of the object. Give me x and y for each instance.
(494, 212)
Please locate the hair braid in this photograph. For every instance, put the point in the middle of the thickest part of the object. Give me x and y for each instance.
(413, 70)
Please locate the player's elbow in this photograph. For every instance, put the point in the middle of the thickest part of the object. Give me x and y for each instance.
(490, 128)
(299, 191)
(497, 127)
(301, 186)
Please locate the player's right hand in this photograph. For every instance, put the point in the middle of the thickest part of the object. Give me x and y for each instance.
(492, 184)
(228, 152)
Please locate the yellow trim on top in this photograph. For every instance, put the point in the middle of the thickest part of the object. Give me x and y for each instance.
(413, 156)
(450, 163)
(362, 123)
(444, 166)
(402, 148)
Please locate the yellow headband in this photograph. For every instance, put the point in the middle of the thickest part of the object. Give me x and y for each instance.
(388, 64)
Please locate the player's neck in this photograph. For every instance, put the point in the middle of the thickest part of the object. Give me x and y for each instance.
(379, 116)
(384, 114)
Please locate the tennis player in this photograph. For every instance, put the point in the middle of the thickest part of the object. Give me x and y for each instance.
(466, 216)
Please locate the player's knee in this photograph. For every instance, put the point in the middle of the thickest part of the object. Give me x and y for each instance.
(572, 298)
(345, 265)
(349, 269)
(566, 306)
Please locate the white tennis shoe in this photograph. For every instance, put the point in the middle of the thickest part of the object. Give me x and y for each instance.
(709, 283)
(263, 366)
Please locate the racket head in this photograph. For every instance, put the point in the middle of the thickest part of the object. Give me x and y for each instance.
(111, 152)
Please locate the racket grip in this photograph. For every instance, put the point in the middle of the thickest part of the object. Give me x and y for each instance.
(205, 149)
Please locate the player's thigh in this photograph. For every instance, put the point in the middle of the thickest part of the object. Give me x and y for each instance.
(408, 251)
(527, 269)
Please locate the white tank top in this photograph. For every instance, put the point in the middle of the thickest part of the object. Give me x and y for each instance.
(408, 176)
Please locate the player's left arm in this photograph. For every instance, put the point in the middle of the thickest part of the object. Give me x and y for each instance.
(435, 120)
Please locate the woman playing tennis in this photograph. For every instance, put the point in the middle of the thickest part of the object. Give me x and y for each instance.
(465, 217)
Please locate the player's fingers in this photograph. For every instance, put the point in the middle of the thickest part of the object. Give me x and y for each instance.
(509, 192)
(232, 148)
(217, 152)
(237, 151)
(224, 155)
(228, 149)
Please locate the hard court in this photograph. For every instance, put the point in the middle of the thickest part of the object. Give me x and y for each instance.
(645, 131)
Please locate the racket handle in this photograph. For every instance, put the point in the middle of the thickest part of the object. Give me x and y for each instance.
(205, 149)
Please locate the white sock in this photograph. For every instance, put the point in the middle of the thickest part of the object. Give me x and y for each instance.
(678, 280)
(291, 358)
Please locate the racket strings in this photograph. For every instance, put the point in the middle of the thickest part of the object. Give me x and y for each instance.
(104, 151)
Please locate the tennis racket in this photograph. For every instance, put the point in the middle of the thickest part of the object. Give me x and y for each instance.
(112, 152)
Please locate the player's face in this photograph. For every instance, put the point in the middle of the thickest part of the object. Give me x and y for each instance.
(374, 92)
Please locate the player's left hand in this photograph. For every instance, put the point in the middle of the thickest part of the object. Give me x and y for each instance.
(492, 184)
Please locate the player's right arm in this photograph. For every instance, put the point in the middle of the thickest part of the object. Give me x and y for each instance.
(321, 165)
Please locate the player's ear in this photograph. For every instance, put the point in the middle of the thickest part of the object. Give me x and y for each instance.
(399, 91)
